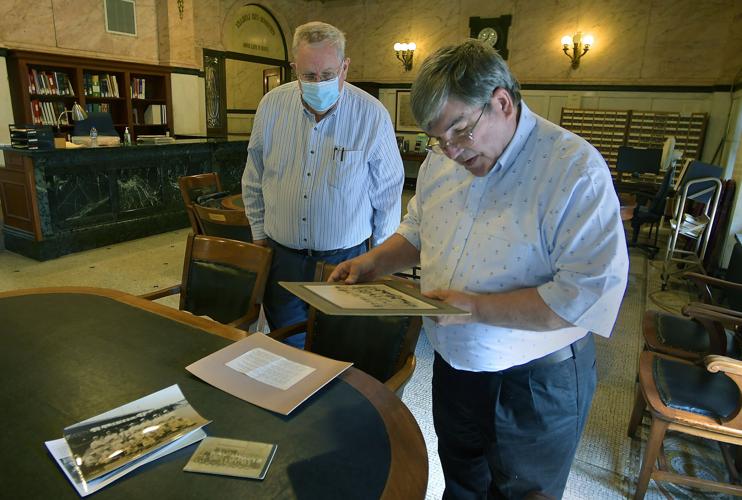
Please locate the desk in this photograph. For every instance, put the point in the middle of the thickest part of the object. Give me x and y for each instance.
(70, 353)
(66, 200)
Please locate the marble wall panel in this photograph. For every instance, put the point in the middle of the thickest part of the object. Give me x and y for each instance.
(244, 84)
(26, 24)
(208, 17)
(176, 35)
(678, 47)
(81, 27)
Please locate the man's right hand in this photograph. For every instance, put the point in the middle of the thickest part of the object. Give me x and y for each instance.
(361, 268)
(260, 243)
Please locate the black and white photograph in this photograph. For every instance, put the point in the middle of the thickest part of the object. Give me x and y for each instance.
(108, 441)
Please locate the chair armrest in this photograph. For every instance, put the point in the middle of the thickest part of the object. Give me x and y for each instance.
(711, 312)
(397, 381)
(703, 280)
(729, 366)
(288, 331)
(732, 368)
(244, 322)
(165, 292)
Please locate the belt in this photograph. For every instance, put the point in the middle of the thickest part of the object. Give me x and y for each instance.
(308, 252)
(556, 357)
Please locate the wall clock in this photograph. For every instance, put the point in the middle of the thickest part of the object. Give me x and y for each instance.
(493, 31)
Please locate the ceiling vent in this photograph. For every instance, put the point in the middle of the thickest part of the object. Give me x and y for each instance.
(121, 17)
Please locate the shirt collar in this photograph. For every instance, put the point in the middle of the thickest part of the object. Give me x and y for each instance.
(526, 124)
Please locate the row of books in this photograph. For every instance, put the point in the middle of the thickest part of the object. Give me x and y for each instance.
(154, 114)
(138, 88)
(95, 107)
(46, 112)
(49, 83)
(104, 85)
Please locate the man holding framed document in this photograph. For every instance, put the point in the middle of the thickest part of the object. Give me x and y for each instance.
(515, 220)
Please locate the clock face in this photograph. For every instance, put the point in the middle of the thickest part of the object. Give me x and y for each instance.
(488, 36)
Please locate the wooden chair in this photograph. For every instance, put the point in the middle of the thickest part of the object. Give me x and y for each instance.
(382, 346)
(232, 224)
(194, 186)
(693, 339)
(691, 398)
(223, 279)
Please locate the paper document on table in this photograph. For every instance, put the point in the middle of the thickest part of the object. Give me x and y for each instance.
(269, 368)
(280, 377)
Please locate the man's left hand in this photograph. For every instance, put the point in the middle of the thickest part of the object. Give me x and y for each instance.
(462, 300)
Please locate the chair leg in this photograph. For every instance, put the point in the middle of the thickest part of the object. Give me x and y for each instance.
(654, 443)
(637, 412)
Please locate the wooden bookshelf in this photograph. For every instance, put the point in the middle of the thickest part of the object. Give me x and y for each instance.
(53, 83)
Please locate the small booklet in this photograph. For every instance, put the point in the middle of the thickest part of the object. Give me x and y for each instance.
(232, 457)
(116, 438)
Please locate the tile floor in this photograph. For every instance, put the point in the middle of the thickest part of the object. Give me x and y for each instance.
(607, 461)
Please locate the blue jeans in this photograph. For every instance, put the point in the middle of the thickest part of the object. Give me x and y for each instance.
(282, 308)
(511, 433)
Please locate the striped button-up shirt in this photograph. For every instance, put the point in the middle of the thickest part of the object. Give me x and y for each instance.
(545, 216)
(322, 185)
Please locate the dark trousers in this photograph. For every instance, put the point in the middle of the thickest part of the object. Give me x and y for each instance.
(512, 433)
(282, 308)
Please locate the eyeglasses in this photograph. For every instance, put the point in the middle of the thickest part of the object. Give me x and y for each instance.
(322, 77)
(465, 136)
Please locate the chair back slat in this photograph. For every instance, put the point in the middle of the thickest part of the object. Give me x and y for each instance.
(232, 224)
(194, 186)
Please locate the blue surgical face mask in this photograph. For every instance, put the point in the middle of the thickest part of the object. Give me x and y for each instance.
(321, 96)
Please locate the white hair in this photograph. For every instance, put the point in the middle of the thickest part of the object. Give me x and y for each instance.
(318, 32)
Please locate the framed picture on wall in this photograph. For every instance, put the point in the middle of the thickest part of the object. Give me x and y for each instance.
(404, 121)
(271, 79)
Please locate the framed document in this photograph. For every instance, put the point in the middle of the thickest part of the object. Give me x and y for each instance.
(404, 121)
(379, 298)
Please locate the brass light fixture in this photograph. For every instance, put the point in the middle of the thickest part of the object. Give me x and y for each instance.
(579, 46)
(404, 52)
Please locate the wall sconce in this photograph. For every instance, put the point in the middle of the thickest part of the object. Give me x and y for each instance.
(405, 51)
(579, 44)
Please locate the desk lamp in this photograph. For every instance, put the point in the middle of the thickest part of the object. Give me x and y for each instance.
(78, 113)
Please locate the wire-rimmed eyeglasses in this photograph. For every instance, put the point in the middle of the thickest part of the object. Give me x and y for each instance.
(465, 136)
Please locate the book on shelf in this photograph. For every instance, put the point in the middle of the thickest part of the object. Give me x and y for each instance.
(103, 448)
(115, 86)
(94, 86)
(155, 114)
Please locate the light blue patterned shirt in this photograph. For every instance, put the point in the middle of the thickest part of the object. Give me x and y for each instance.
(325, 185)
(545, 216)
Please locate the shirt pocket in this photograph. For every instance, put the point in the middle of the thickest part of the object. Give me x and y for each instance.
(347, 170)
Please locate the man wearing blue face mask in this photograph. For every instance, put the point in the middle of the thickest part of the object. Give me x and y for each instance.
(323, 174)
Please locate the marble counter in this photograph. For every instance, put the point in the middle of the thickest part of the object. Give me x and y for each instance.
(76, 199)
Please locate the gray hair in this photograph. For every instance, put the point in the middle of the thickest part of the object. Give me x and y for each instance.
(468, 72)
(318, 32)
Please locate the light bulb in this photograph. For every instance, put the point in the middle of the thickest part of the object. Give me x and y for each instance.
(566, 40)
(588, 40)
(397, 46)
(411, 46)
